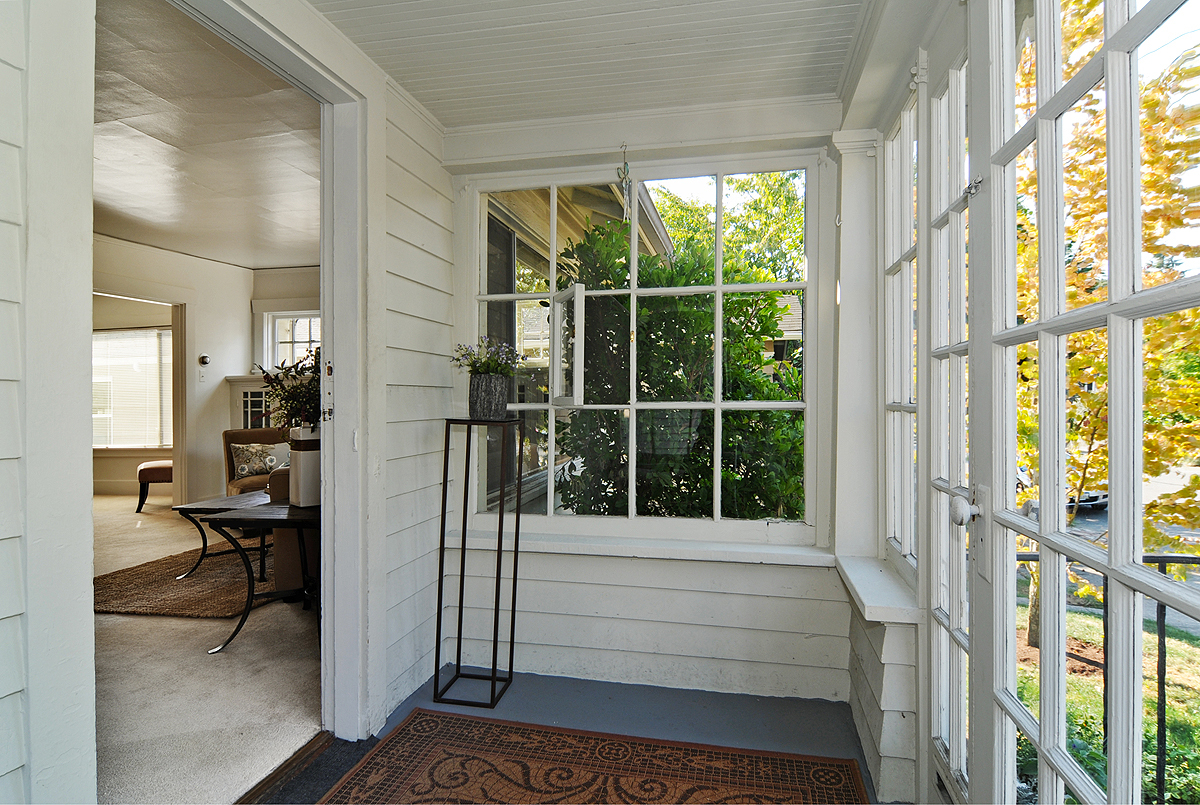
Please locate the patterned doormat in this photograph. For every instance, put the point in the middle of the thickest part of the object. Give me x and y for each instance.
(445, 757)
(216, 590)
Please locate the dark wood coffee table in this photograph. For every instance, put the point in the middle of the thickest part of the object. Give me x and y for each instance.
(280, 514)
(191, 511)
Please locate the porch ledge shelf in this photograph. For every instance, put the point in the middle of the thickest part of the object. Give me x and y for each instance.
(642, 548)
(878, 590)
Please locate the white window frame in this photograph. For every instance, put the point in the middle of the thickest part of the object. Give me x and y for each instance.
(266, 311)
(715, 529)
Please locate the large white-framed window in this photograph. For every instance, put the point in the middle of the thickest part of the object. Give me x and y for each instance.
(131, 388)
(667, 424)
(293, 335)
(1083, 342)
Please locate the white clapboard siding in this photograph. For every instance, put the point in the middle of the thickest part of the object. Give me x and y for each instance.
(419, 340)
(732, 627)
(883, 703)
(12, 578)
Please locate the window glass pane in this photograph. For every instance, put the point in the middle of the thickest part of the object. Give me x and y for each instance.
(131, 388)
(519, 231)
(591, 462)
(1168, 64)
(1087, 433)
(959, 432)
(593, 237)
(1029, 630)
(1025, 80)
(763, 227)
(677, 224)
(1026, 480)
(901, 477)
(674, 463)
(1085, 200)
(525, 325)
(762, 465)
(1028, 291)
(606, 350)
(1171, 704)
(675, 348)
(1082, 33)
(534, 460)
(1085, 682)
(1171, 433)
(763, 346)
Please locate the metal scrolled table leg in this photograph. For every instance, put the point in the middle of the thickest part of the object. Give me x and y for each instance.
(249, 587)
(203, 544)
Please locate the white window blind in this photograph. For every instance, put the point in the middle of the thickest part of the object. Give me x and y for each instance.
(131, 388)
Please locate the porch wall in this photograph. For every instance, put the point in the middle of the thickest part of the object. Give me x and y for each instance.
(12, 585)
(767, 630)
(883, 700)
(420, 227)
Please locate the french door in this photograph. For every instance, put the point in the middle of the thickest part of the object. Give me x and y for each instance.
(1073, 353)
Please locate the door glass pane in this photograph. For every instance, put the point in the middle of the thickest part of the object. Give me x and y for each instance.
(1027, 769)
(763, 227)
(1087, 641)
(1027, 472)
(591, 462)
(1025, 79)
(1171, 433)
(1085, 199)
(675, 463)
(593, 237)
(1028, 620)
(763, 344)
(1087, 434)
(1027, 288)
(677, 227)
(519, 237)
(1082, 33)
(1171, 703)
(675, 348)
(1167, 65)
(762, 465)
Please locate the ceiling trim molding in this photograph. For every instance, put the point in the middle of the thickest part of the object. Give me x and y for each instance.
(857, 141)
(415, 106)
(709, 130)
(864, 37)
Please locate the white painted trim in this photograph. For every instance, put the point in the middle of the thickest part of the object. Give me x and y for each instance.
(879, 592)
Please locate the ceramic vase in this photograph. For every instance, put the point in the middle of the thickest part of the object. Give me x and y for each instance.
(305, 476)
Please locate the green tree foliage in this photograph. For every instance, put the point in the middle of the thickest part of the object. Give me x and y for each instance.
(763, 451)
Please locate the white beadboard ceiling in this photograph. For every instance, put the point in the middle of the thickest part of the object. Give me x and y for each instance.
(483, 62)
(198, 148)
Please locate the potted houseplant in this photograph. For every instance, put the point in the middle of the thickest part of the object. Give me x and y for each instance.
(293, 397)
(491, 366)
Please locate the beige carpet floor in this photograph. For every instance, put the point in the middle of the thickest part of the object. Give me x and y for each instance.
(173, 723)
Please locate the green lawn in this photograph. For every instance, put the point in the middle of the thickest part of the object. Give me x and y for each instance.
(1085, 705)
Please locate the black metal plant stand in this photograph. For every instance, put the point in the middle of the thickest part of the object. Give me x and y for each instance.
(499, 681)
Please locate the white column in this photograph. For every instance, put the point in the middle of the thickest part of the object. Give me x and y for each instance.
(858, 424)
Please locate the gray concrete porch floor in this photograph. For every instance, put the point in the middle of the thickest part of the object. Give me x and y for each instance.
(798, 726)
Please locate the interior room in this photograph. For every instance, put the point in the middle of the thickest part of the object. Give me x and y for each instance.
(854, 376)
(205, 266)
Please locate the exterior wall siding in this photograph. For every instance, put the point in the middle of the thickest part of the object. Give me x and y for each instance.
(13, 699)
(883, 678)
(420, 340)
(768, 630)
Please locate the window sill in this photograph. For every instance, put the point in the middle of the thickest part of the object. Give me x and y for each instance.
(645, 548)
(132, 451)
(879, 592)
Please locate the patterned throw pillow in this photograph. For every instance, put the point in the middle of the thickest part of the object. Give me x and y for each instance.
(258, 459)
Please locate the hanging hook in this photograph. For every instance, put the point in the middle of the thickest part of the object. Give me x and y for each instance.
(626, 184)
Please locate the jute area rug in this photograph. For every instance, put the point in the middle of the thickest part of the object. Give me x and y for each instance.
(216, 590)
(445, 757)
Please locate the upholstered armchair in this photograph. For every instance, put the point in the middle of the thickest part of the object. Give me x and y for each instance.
(249, 483)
